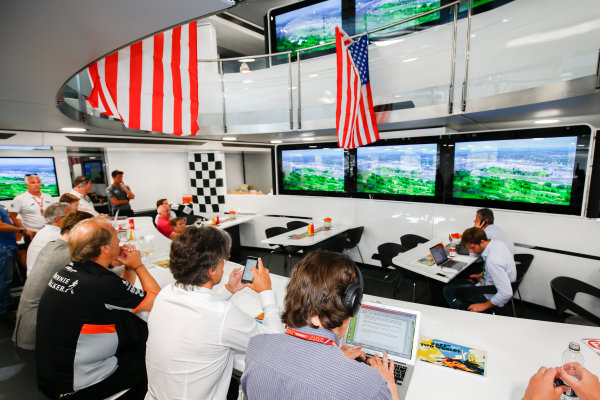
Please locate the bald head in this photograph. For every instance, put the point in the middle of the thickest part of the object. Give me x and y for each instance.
(164, 211)
(87, 238)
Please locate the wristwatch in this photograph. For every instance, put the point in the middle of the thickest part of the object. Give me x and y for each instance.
(21, 229)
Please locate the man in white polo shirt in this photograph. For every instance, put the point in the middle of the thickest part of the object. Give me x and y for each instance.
(81, 188)
(54, 215)
(30, 205)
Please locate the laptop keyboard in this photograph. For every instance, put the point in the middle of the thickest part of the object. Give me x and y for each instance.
(449, 263)
(399, 371)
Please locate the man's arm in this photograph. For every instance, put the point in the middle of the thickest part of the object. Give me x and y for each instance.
(15, 220)
(4, 227)
(130, 194)
(135, 269)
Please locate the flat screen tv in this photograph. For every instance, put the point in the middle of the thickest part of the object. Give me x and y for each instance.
(537, 173)
(407, 169)
(321, 169)
(14, 169)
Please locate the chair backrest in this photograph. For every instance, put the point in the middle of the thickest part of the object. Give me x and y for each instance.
(387, 251)
(411, 241)
(522, 262)
(353, 237)
(335, 244)
(274, 231)
(295, 225)
(564, 290)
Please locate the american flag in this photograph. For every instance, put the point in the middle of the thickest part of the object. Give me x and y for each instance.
(151, 85)
(355, 117)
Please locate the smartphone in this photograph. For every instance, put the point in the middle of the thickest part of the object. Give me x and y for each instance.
(248, 275)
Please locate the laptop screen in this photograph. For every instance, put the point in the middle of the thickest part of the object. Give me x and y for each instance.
(381, 328)
(439, 254)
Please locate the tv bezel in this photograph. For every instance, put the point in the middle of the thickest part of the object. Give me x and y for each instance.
(347, 170)
(436, 198)
(55, 176)
(583, 134)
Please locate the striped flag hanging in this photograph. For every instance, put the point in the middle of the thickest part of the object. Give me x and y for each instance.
(151, 85)
(355, 117)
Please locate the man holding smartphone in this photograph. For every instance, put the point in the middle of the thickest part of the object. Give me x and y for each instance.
(193, 329)
(484, 219)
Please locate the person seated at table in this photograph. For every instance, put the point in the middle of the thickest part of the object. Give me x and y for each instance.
(499, 270)
(51, 259)
(164, 214)
(178, 224)
(541, 385)
(484, 219)
(306, 361)
(163, 202)
(53, 215)
(193, 328)
(89, 344)
(72, 200)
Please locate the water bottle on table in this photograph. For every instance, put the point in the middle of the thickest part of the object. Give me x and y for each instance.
(571, 355)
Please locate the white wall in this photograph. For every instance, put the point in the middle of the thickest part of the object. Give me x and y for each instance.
(151, 174)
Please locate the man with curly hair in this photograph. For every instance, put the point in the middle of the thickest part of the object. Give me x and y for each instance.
(193, 329)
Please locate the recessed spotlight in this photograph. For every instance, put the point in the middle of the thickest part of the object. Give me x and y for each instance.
(73, 129)
(312, 147)
(229, 138)
(546, 121)
(247, 60)
(308, 139)
(276, 141)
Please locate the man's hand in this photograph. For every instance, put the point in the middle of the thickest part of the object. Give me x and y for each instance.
(475, 278)
(541, 386)
(130, 257)
(235, 281)
(584, 383)
(354, 352)
(29, 233)
(262, 279)
(480, 307)
(386, 369)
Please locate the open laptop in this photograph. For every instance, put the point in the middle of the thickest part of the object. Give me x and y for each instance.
(441, 258)
(382, 328)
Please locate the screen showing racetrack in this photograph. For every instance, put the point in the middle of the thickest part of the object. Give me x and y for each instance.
(536, 170)
(403, 169)
(14, 169)
(307, 26)
(320, 170)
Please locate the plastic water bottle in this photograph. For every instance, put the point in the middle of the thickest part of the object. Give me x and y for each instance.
(570, 355)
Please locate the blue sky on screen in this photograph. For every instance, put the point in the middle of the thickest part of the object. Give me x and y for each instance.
(566, 143)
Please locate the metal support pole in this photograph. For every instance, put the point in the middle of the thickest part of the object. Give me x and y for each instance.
(463, 101)
(598, 71)
(299, 92)
(290, 91)
(223, 96)
(453, 63)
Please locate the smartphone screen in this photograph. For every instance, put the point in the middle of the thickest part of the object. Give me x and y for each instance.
(248, 275)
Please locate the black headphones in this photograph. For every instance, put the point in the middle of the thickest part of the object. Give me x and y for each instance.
(354, 293)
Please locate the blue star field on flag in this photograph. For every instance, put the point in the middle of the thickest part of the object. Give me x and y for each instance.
(358, 51)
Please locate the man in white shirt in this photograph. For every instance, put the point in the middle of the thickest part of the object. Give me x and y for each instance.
(54, 215)
(484, 219)
(81, 188)
(30, 205)
(194, 330)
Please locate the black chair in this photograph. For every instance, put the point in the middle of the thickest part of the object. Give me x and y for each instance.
(387, 251)
(410, 241)
(295, 225)
(352, 238)
(287, 250)
(564, 290)
(523, 262)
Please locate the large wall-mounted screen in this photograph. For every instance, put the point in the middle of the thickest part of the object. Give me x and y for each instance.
(404, 169)
(14, 169)
(537, 170)
(313, 170)
(307, 26)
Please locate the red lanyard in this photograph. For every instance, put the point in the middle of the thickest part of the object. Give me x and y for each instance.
(312, 338)
(39, 203)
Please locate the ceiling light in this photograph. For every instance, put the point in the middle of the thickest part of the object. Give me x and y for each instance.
(308, 139)
(247, 60)
(73, 129)
(411, 59)
(229, 138)
(546, 121)
(276, 141)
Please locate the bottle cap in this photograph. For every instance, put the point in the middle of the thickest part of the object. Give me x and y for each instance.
(574, 346)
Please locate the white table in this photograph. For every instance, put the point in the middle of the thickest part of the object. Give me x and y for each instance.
(308, 240)
(237, 220)
(409, 260)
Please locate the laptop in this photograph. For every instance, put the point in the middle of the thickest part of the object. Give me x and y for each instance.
(441, 258)
(382, 328)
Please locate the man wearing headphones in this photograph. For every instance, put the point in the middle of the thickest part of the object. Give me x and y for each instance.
(306, 362)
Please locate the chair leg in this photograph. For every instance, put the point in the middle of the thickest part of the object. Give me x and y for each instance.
(414, 290)
(269, 259)
(360, 254)
(512, 303)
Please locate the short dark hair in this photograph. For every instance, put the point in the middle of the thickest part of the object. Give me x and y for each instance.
(159, 202)
(175, 220)
(316, 287)
(486, 213)
(80, 179)
(197, 251)
(473, 236)
(72, 219)
(68, 198)
(116, 172)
